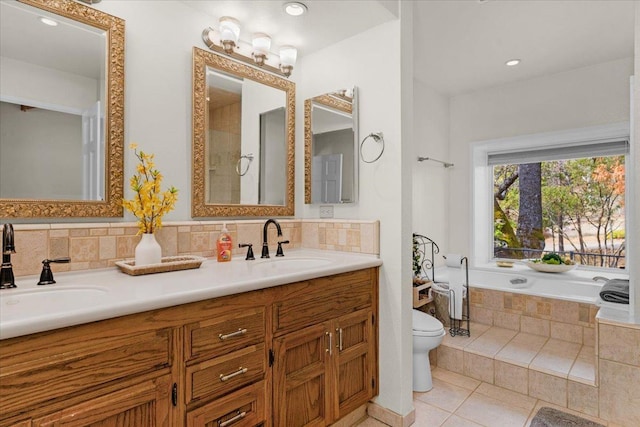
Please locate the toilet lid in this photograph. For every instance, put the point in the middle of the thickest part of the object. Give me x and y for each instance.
(426, 323)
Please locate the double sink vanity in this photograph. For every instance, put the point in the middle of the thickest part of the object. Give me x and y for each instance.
(282, 341)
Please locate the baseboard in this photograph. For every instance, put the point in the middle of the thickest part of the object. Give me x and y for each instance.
(353, 418)
(389, 417)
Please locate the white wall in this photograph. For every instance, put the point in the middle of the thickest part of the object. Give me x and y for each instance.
(158, 88)
(371, 61)
(431, 179)
(44, 87)
(584, 97)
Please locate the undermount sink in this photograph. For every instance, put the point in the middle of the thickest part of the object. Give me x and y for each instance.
(33, 302)
(285, 264)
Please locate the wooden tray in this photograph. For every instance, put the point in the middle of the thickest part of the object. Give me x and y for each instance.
(169, 263)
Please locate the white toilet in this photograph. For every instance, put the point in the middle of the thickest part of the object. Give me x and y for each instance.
(428, 333)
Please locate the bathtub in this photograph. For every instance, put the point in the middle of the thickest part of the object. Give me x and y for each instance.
(521, 280)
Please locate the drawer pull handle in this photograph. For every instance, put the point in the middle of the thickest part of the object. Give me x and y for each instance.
(339, 330)
(330, 348)
(233, 420)
(237, 333)
(227, 377)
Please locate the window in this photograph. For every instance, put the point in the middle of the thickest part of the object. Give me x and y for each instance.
(561, 192)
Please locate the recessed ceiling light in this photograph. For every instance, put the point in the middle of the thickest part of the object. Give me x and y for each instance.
(295, 8)
(512, 62)
(48, 21)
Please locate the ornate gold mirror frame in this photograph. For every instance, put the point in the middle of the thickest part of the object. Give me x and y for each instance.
(114, 121)
(329, 101)
(199, 206)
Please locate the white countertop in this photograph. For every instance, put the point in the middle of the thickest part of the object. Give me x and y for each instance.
(87, 296)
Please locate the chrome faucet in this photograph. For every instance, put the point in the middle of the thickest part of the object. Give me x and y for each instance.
(7, 279)
(265, 244)
(600, 278)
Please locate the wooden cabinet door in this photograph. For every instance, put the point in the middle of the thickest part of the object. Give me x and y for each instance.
(302, 375)
(142, 405)
(354, 361)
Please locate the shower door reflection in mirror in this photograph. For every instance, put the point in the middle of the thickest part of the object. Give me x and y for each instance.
(331, 160)
(246, 134)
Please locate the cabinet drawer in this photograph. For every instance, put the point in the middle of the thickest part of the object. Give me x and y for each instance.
(319, 300)
(226, 333)
(243, 408)
(224, 374)
(68, 372)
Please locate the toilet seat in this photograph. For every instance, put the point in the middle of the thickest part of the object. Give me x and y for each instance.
(425, 325)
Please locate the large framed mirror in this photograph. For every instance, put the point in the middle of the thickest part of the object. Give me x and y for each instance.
(62, 110)
(243, 139)
(331, 147)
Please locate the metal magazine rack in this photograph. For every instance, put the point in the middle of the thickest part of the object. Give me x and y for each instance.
(456, 325)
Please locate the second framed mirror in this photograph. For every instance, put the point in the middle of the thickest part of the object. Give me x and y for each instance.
(331, 147)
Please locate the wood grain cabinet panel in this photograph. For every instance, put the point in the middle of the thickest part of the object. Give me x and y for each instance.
(301, 354)
(42, 379)
(242, 408)
(221, 375)
(226, 332)
(141, 405)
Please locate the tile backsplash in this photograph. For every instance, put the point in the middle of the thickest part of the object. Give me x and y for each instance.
(99, 245)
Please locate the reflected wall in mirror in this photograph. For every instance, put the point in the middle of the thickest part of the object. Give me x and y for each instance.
(62, 110)
(243, 139)
(331, 147)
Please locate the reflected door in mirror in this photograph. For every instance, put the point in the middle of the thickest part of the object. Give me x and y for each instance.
(52, 93)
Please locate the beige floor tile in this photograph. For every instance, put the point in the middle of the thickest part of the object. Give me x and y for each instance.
(455, 379)
(491, 342)
(456, 421)
(513, 399)
(521, 349)
(371, 422)
(428, 415)
(556, 358)
(444, 395)
(491, 412)
(511, 377)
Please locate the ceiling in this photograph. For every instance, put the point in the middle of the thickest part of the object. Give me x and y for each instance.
(462, 46)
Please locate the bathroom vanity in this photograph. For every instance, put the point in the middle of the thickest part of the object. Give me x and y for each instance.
(270, 347)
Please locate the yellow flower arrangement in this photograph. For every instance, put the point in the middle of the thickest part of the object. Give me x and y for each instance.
(149, 203)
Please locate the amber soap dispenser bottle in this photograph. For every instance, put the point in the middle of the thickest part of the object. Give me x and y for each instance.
(224, 245)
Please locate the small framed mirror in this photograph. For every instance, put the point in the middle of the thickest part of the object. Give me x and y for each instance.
(331, 147)
(243, 139)
(62, 110)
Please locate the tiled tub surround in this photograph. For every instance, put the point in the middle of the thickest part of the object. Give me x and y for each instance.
(99, 245)
(551, 350)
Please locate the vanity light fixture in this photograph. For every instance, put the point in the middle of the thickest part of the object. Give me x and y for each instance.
(261, 45)
(229, 33)
(512, 62)
(295, 8)
(48, 21)
(226, 39)
(288, 56)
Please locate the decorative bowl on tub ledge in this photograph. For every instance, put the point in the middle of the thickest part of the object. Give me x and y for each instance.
(550, 268)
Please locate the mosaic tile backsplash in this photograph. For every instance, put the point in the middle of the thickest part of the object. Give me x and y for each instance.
(100, 245)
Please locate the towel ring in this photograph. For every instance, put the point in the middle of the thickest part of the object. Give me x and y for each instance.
(248, 157)
(377, 137)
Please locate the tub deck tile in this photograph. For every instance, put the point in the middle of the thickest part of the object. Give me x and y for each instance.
(491, 342)
(556, 358)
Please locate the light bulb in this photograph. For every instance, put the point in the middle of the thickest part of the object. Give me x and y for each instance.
(229, 33)
(261, 45)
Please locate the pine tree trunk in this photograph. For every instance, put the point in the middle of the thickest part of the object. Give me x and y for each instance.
(530, 210)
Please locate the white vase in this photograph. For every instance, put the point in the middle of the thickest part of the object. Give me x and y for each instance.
(148, 250)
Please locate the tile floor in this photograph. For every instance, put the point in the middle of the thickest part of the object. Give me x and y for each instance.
(459, 401)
